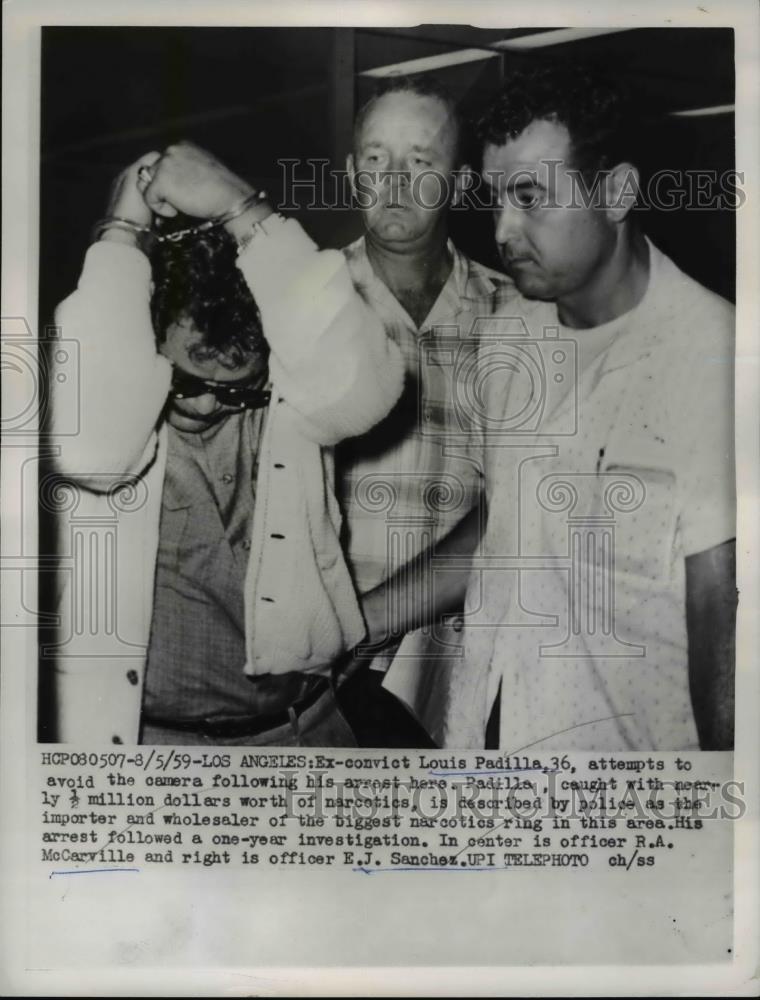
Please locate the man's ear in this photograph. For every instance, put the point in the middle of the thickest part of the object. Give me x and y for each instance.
(622, 191)
(464, 179)
(351, 170)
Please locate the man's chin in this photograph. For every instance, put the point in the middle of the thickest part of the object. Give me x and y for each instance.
(531, 286)
(190, 424)
(394, 226)
(394, 232)
(530, 291)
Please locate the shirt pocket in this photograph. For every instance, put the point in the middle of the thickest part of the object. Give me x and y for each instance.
(642, 501)
(172, 529)
(191, 540)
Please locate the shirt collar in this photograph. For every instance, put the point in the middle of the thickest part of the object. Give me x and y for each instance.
(451, 300)
(468, 282)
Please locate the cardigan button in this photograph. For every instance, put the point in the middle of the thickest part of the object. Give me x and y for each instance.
(132, 677)
(116, 739)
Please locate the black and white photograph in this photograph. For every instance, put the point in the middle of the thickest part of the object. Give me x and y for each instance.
(403, 412)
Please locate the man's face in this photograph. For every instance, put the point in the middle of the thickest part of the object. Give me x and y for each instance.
(198, 413)
(550, 252)
(404, 158)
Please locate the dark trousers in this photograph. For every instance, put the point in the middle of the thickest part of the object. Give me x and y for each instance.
(377, 718)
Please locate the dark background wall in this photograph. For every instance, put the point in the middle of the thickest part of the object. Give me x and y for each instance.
(258, 95)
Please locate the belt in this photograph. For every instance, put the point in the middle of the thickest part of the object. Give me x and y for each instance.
(243, 725)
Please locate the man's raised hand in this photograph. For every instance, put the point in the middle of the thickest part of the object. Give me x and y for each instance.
(127, 210)
(126, 201)
(190, 180)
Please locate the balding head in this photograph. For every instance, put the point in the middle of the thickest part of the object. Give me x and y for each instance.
(430, 92)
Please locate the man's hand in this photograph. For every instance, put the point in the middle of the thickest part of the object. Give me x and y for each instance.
(126, 200)
(190, 180)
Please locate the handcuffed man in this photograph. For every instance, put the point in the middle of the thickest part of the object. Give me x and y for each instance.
(231, 594)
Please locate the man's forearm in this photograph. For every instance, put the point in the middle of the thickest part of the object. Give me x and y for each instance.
(711, 625)
(122, 382)
(330, 357)
(431, 586)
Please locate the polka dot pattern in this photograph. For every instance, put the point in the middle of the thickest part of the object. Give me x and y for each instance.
(577, 602)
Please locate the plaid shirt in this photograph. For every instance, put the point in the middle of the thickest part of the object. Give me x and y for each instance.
(410, 480)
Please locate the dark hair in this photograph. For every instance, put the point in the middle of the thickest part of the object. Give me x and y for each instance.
(197, 279)
(421, 85)
(597, 112)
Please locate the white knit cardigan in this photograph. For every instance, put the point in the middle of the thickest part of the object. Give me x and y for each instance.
(334, 374)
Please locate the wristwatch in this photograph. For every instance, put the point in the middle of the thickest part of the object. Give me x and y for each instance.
(258, 229)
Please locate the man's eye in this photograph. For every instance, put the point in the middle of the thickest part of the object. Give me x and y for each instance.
(419, 162)
(525, 199)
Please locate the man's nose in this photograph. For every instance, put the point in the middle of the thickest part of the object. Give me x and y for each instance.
(397, 176)
(509, 221)
(205, 405)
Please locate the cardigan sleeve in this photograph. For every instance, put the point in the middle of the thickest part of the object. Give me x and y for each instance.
(122, 382)
(331, 359)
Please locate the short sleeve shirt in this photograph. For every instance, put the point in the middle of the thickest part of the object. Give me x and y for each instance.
(408, 482)
(577, 603)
